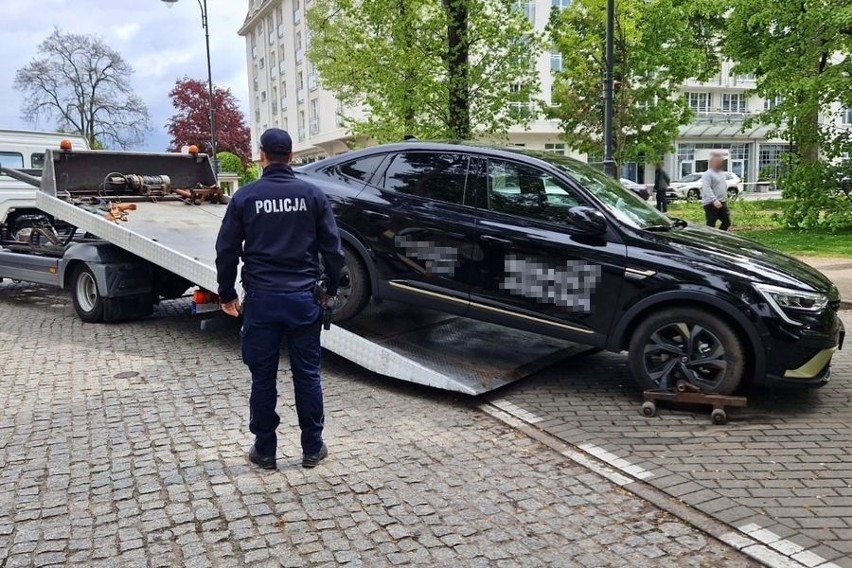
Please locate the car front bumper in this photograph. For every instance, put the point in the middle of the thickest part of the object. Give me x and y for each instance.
(805, 362)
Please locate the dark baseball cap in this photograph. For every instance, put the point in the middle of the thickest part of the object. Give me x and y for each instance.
(276, 142)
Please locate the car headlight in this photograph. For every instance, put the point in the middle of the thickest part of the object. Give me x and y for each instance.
(788, 302)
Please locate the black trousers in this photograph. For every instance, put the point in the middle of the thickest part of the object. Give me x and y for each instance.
(662, 201)
(722, 214)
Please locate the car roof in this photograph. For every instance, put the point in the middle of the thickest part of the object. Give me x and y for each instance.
(510, 152)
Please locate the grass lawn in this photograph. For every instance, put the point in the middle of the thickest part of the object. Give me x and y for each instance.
(805, 243)
(760, 220)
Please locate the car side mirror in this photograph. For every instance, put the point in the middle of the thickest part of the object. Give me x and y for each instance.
(587, 219)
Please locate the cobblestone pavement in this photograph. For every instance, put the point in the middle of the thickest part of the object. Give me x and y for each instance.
(124, 445)
(780, 470)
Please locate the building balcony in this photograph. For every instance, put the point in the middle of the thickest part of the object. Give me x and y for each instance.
(300, 96)
(300, 55)
(312, 81)
(718, 116)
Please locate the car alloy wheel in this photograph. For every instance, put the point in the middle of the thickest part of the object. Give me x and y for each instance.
(683, 351)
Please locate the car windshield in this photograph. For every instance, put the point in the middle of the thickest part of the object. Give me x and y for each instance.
(620, 202)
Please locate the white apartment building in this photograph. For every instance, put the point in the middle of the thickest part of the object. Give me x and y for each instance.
(285, 93)
(283, 88)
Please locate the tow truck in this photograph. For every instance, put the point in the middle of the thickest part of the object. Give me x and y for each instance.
(123, 230)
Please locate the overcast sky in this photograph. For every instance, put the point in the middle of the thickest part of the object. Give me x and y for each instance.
(162, 42)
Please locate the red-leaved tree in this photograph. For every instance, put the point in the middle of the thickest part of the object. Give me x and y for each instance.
(191, 123)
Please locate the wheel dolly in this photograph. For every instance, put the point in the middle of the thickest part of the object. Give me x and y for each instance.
(687, 393)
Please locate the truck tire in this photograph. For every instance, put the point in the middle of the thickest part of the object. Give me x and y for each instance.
(687, 344)
(353, 292)
(88, 302)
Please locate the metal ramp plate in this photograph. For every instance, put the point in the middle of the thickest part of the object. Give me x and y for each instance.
(419, 346)
(443, 351)
(171, 234)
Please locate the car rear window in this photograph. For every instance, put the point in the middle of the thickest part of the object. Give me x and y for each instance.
(432, 175)
(363, 168)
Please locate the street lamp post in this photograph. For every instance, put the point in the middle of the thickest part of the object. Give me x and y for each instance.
(609, 162)
(212, 112)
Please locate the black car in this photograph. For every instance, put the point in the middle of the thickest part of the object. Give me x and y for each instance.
(547, 244)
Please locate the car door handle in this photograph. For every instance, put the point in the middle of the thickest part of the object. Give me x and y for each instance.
(495, 240)
(376, 215)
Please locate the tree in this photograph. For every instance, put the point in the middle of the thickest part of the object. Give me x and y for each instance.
(801, 55)
(658, 45)
(84, 85)
(432, 68)
(230, 162)
(191, 123)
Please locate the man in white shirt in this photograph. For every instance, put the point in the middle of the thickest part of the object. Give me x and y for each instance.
(714, 193)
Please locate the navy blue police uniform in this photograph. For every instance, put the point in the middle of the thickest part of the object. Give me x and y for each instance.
(279, 226)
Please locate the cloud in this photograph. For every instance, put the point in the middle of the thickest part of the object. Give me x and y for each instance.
(162, 44)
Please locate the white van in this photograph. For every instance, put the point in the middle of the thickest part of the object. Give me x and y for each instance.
(24, 150)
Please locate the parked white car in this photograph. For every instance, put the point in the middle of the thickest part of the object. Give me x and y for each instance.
(689, 187)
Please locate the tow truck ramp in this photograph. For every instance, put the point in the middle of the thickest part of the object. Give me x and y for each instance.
(419, 346)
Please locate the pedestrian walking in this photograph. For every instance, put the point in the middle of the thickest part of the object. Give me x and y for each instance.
(661, 188)
(279, 226)
(714, 194)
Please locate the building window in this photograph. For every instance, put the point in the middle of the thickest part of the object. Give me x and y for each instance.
(555, 148)
(520, 111)
(555, 62)
(341, 116)
(282, 66)
(273, 69)
(283, 103)
(300, 87)
(769, 104)
(846, 116)
(685, 159)
(527, 8)
(260, 63)
(312, 78)
(699, 102)
(560, 4)
(263, 97)
(300, 52)
(315, 127)
(301, 125)
(769, 160)
(734, 103)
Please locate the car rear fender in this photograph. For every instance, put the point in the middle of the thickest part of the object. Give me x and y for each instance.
(366, 255)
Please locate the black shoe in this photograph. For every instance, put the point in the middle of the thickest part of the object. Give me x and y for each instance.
(313, 460)
(263, 462)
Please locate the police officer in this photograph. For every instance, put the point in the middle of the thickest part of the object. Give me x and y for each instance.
(279, 225)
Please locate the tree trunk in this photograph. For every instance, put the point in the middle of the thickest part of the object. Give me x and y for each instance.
(409, 77)
(458, 53)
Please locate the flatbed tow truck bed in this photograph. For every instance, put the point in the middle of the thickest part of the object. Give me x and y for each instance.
(429, 348)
